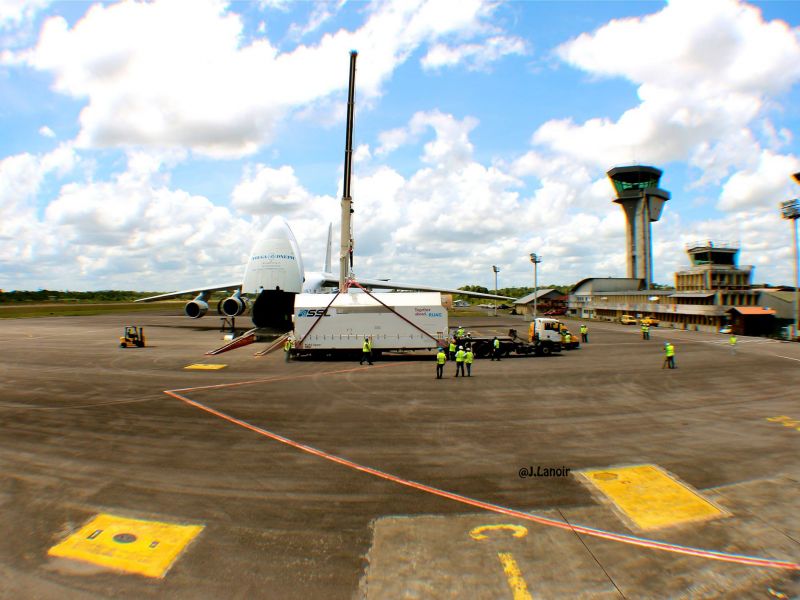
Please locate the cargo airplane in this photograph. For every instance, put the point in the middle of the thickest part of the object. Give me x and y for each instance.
(273, 275)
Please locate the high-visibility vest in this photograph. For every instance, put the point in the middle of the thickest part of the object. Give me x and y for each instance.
(287, 345)
(441, 358)
(732, 340)
(460, 356)
(670, 350)
(460, 332)
(584, 329)
(367, 346)
(567, 338)
(496, 344)
(468, 357)
(452, 346)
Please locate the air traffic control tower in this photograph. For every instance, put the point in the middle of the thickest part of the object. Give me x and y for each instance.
(641, 198)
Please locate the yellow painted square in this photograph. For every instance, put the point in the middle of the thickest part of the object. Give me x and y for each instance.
(650, 497)
(145, 547)
(205, 367)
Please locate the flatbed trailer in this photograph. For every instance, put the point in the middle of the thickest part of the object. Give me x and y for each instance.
(511, 344)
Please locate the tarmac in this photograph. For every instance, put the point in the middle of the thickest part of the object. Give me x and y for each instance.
(267, 479)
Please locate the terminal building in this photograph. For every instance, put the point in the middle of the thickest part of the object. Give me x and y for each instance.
(712, 292)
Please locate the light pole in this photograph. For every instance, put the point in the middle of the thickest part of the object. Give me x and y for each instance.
(535, 259)
(496, 271)
(791, 210)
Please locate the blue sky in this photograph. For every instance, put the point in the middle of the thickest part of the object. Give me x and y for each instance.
(145, 144)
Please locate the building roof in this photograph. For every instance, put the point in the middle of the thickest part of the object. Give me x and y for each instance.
(752, 310)
(544, 292)
(693, 295)
(780, 294)
(595, 285)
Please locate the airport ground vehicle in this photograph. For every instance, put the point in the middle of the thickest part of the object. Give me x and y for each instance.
(627, 320)
(544, 339)
(132, 337)
(649, 321)
(556, 312)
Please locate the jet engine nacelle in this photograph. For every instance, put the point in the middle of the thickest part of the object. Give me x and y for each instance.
(235, 305)
(195, 308)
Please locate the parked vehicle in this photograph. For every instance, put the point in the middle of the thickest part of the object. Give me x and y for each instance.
(627, 320)
(649, 321)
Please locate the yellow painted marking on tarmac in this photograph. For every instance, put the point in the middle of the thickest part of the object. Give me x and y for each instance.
(650, 497)
(518, 531)
(145, 547)
(515, 580)
(785, 421)
(205, 367)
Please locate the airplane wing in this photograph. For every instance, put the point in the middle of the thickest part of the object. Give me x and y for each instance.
(389, 284)
(213, 288)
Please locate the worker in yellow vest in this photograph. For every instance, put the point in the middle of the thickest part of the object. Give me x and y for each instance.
(452, 349)
(441, 358)
(366, 351)
(732, 343)
(460, 360)
(468, 358)
(584, 333)
(669, 356)
(287, 348)
(495, 349)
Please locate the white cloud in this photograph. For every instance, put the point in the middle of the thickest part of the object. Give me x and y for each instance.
(322, 12)
(451, 141)
(477, 56)
(264, 190)
(45, 131)
(13, 13)
(763, 186)
(704, 70)
(200, 87)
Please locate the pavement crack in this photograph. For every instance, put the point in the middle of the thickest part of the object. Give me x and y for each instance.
(577, 535)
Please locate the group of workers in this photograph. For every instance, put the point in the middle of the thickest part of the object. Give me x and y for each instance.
(460, 350)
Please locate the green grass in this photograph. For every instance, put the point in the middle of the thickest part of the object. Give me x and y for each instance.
(24, 310)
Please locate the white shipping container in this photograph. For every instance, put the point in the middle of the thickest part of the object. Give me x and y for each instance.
(355, 315)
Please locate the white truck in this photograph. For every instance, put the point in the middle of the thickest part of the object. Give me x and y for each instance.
(543, 339)
(391, 321)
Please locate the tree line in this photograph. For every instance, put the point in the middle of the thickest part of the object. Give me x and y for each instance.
(63, 296)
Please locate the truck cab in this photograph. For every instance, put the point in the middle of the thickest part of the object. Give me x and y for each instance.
(544, 329)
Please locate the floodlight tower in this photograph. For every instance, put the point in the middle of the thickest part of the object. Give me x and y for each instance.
(642, 200)
(791, 210)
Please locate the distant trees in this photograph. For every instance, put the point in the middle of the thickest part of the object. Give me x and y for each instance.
(65, 296)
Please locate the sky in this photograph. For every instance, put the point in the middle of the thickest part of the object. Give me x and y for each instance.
(145, 144)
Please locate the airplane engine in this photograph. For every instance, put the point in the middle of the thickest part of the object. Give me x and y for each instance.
(235, 305)
(195, 308)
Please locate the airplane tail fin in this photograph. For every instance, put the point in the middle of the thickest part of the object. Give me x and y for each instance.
(327, 266)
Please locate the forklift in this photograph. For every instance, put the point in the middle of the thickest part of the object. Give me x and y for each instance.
(134, 337)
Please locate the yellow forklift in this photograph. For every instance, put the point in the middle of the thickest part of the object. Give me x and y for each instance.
(134, 337)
